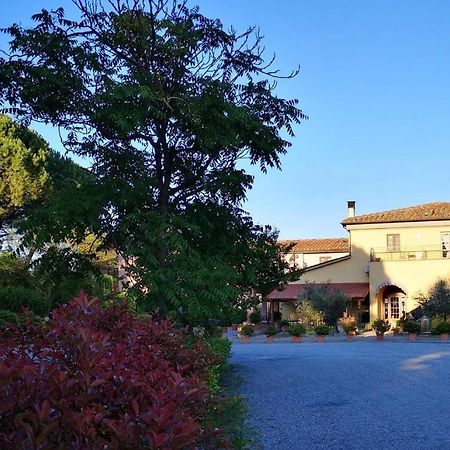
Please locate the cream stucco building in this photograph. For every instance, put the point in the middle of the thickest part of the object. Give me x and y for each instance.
(394, 256)
(309, 252)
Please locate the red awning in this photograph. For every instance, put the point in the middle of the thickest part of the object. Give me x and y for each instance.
(292, 291)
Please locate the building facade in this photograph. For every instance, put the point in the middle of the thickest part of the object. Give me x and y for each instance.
(397, 255)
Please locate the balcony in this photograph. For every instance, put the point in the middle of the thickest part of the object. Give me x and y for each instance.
(429, 252)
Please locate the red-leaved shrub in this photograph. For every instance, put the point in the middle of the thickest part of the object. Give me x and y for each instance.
(98, 378)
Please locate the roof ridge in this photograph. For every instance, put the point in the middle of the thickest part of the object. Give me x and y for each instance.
(421, 212)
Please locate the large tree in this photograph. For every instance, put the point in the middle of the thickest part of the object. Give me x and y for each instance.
(40, 190)
(166, 103)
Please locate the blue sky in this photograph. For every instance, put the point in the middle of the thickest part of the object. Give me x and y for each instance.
(375, 82)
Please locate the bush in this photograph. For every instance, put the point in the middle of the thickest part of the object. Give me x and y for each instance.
(348, 324)
(322, 330)
(14, 271)
(247, 330)
(15, 298)
(255, 317)
(220, 348)
(296, 329)
(9, 317)
(101, 378)
(271, 330)
(411, 327)
(380, 326)
(284, 323)
(441, 328)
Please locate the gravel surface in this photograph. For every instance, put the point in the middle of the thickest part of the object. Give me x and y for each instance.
(338, 395)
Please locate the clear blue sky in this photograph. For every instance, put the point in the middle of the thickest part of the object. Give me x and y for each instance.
(375, 81)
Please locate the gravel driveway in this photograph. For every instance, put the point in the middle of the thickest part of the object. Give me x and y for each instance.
(339, 395)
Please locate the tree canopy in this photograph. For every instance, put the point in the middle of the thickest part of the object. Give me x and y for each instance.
(166, 104)
(437, 302)
(330, 303)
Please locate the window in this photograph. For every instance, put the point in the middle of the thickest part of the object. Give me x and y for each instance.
(395, 308)
(445, 244)
(323, 259)
(393, 242)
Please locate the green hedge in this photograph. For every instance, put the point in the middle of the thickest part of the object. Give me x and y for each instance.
(14, 298)
(9, 317)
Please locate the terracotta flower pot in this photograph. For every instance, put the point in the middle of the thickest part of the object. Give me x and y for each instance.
(296, 339)
(270, 339)
(412, 337)
(380, 337)
(320, 338)
(245, 339)
(444, 336)
(349, 337)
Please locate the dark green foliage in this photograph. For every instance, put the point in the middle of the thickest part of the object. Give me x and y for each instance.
(255, 317)
(330, 302)
(296, 329)
(410, 326)
(14, 271)
(271, 330)
(441, 327)
(15, 298)
(247, 330)
(381, 326)
(9, 317)
(221, 349)
(437, 302)
(322, 330)
(230, 315)
(166, 104)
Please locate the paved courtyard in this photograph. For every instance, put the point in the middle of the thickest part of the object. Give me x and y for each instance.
(339, 395)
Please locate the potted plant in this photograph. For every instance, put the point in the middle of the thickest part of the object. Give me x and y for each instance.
(246, 332)
(271, 331)
(380, 327)
(296, 330)
(412, 328)
(321, 332)
(348, 324)
(443, 329)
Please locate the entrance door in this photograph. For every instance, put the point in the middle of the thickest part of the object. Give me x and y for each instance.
(394, 306)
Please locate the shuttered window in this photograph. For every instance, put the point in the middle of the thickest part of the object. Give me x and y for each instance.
(393, 242)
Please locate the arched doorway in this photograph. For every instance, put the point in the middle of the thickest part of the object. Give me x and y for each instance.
(392, 301)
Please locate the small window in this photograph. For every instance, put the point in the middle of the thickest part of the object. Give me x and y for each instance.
(393, 242)
(445, 244)
(323, 259)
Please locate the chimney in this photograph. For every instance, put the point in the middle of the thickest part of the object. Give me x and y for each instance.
(351, 208)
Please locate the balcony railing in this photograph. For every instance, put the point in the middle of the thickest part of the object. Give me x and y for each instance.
(409, 253)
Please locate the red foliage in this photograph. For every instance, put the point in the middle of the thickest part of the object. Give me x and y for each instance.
(100, 378)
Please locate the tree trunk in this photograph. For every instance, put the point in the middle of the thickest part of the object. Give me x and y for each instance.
(264, 309)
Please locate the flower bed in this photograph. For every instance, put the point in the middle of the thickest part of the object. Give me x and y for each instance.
(101, 378)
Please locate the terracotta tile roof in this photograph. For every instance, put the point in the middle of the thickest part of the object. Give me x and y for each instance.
(419, 213)
(292, 291)
(327, 245)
